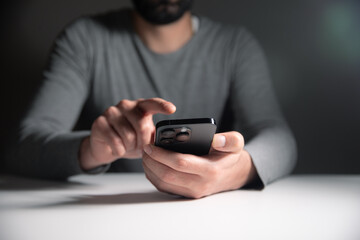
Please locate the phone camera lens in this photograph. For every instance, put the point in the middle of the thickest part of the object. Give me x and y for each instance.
(184, 129)
(166, 141)
(168, 133)
(182, 136)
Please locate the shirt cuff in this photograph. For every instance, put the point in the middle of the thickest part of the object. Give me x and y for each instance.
(98, 170)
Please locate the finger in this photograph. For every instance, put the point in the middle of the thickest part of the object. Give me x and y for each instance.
(143, 125)
(156, 105)
(228, 142)
(103, 132)
(185, 163)
(166, 187)
(169, 175)
(145, 129)
(122, 127)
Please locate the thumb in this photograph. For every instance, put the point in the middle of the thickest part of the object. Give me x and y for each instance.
(228, 142)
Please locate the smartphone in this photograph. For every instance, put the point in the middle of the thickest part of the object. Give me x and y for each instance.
(191, 136)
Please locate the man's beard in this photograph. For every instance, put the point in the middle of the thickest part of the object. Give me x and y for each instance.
(162, 12)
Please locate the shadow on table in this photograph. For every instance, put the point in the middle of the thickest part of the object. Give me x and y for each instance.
(117, 199)
(17, 183)
(129, 198)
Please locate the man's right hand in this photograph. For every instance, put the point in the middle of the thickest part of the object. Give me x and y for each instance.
(122, 131)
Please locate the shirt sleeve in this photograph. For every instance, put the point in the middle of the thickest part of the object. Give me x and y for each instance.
(257, 114)
(46, 146)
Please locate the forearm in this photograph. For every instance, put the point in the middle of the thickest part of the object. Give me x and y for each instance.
(47, 156)
(273, 152)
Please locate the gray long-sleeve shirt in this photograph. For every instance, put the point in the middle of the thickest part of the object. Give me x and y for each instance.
(97, 61)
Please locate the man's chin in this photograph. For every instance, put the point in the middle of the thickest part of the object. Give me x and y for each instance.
(163, 13)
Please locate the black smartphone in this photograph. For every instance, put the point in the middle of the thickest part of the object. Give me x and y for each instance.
(192, 136)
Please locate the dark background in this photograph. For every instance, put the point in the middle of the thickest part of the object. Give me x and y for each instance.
(313, 49)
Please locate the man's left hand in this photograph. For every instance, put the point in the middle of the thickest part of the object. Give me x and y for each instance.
(227, 167)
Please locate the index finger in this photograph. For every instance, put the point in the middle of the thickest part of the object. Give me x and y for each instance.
(156, 105)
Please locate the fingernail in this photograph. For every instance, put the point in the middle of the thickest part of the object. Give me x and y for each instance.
(148, 149)
(220, 141)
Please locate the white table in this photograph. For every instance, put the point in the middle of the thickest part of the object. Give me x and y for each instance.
(127, 206)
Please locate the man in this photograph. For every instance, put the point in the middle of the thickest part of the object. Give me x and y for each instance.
(111, 74)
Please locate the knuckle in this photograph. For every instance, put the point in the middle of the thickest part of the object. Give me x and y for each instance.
(142, 130)
(213, 171)
(109, 112)
(120, 151)
(99, 122)
(114, 141)
(124, 104)
(145, 127)
(182, 163)
(128, 136)
(155, 99)
(131, 140)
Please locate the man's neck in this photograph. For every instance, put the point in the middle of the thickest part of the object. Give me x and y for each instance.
(164, 38)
